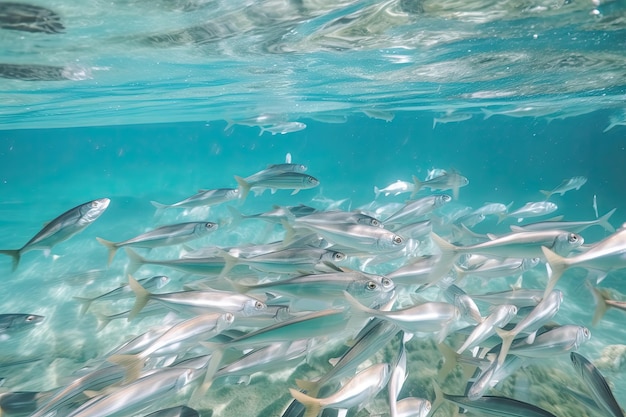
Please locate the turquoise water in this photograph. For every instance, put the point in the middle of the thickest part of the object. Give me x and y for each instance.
(145, 116)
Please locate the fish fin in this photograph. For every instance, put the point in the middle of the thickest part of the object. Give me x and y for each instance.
(103, 321)
(141, 294)
(236, 216)
(418, 186)
(15, 254)
(547, 194)
(135, 261)
(439, 398)
(160, 207)
(501, 217)
(295, 191)
(212, 367)
(531, 338)
(557, 264)
(376, 192)
(449, 253)
(85, 304)
(601, 305)
(244, 187)
(311, 387)
(604, 221)
(132, 363)
(240, 288)
(312, 405)
(230, 262)
(290, 233)
(507, 338)
(111, 246)
(487, 113)
(450, 360)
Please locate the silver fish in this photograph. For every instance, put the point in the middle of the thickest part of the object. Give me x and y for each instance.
(282, 180)
(498, 406)
(597, 385)
(396, 188)
(203, 198)
(559, 340)
(162, 236)
(499, 317)
(12, 323)
(356, 392)
(566, 185)
(607, 255)
(533, 209)
(211, 265)
(574, 227)
(61, 228)
(180, 411)
(414, 210)
(446, 181)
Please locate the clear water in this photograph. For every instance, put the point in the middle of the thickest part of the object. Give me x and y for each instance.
(144, 116)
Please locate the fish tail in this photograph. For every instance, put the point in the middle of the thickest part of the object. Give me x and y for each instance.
(439, 398)
(449, 253)
(132, 363)
(418, 186)
(85, 304)
(136, 261)
(358, 313)
(230, 262)
(160, 207)
(238, 287)
(311, 387)
(15, 254)
(244, 187)
(212, 368)
(103, 321)
(290, 233)
(601, 305)
(604, 221)
(557, 265)
(142, 297)
(488, 113)
(111, 246)
(236, 216)
(547, 194)
(450, 360)
(507, 338)
(312, 405)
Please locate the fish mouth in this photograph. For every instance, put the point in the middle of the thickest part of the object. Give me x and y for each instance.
(103, 202)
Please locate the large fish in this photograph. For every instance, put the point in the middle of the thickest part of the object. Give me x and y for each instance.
(597, 385)
(61, 228)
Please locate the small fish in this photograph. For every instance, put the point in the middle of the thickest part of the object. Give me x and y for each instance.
(413, 210)
(451, 117)
(533, 210)
(556, 341)
(282, 128)
(597, 385)
(616, 120)
(162, 236)
(396, 188)
(283, 180)
(499, 317)
(204, 198)
(446, 181)
(566, 185)
(387, 116)
(13, 323)
(61, 228)
(575, 227)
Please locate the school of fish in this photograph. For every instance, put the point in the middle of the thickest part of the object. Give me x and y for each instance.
(352, 293)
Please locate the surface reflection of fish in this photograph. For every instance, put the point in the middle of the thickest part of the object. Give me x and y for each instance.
(61, 228)
(29, 18)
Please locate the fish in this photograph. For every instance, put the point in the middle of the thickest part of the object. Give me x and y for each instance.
(356, 392)
(61, 228)
(498, 406)
(566, 185)
(282, 128)
(603, 302)
(136, 395)
(16, 322)
(496, 209)
(396, 188)
(575, 227)
(206, 265)
(451, 117)
(533, 209)
(561, 339)
(499, 317)
(446, 181)
(544, 311)
(596, 384)
(616, 120)
(283, 180)
(607, 255)
(162, 236)
(413, 210)
(203, 198)
(397, 378)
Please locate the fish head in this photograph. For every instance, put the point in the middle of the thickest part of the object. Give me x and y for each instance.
(442, 199)
(30, 319)
(369, 221)
(161, 281)
(333, 256)
(253, 307)
(566, 242)
(530, 263)
(582, 336)
(391, 242)
(224, 321)
(205, 228)
(92, 210)
(233, 194)
(311, 181)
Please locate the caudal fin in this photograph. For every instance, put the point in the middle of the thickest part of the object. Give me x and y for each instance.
(135, 261)
(159, 207)
(142, 297)
(601, 305)
(132, 363)
(311, 387)
(604, 221)
(311, 405)
(111, 246)
(507, 338)
(85, 304)
(557, 265)
(547, 194)
(244, 187)
(417, 187)
(15, 254)
(449, 253)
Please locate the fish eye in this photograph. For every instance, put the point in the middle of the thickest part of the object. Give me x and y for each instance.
(229, 317)
(338, 256)
(31, 318)
(386, 282)
(259, 305)
(371, 285)
(375, 223)
(572, 238)
(397, 240)
(446, 198)
(586, 332)
(209, 225)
